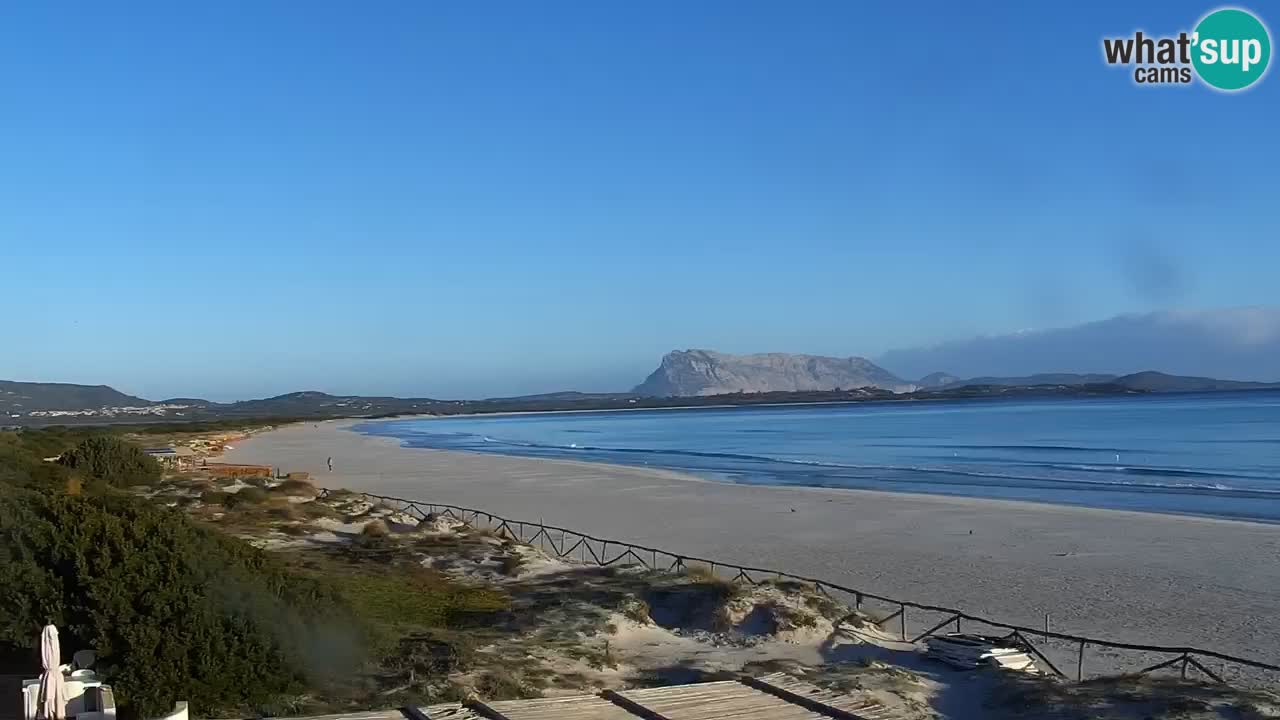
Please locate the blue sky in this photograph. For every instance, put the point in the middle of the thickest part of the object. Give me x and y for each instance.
(469, 199)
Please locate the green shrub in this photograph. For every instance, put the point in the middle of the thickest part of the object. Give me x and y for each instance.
(413, 598)
(246, 496)
(434, 653)
(113, 461)
(285, 511)
(214, 497)
(500, 684)
(174, 611)
(318, 510)
(296, 487)
(18, 467)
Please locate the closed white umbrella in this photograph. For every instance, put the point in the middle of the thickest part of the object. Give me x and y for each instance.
(53, 693)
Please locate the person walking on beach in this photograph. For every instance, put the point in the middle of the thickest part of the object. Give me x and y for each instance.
(330, 464)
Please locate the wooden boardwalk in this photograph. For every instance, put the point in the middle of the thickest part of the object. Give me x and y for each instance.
(772, 697)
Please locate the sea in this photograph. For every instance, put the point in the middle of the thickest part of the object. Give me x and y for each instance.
(1212, 454)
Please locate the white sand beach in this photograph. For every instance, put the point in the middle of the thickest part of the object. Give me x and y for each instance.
(1136, 577)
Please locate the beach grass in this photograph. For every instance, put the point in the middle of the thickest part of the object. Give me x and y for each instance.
(409, 599)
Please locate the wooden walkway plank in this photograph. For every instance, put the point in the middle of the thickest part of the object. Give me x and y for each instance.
(631, 706)
(773, 697)
(723, 700)
(393, 714)
(484, 710)
(577, 707)
(863, 708)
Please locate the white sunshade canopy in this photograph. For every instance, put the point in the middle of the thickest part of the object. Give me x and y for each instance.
(53, 692)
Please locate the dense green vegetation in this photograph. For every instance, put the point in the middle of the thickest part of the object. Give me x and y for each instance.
(82, 453)
(174, 610)
(200, 426)
(21, 464)
(112, 461)
(408, 600)
(179, 611)
(22, 452)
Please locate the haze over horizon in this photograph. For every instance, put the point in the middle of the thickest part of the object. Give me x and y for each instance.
(240, 201)
(1225, 343)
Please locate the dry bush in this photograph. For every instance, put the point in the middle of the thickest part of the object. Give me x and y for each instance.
(702, 573)
(637, 610)
(300, 488)
(246, 496)
(316, 510)
(500, 684)
(510, 565)
(214, 497)
(285, 511)
(375, 529)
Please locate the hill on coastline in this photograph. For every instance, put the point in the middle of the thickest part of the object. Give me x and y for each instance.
(24, 404)
(684, 373)
(701, 373)
(1146, 381)
(1038, 379)
(16, 396)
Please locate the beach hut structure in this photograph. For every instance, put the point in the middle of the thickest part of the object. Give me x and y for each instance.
(181, 458)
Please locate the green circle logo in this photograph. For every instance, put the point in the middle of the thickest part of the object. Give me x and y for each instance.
(1232, 49)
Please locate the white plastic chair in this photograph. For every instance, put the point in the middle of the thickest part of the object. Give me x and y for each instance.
(83, 659)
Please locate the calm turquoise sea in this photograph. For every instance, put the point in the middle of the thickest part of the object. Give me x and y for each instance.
(1212, 454)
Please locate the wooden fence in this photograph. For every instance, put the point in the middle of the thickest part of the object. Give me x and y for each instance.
(926, 619)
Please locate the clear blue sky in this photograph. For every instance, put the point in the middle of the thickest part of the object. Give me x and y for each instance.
(244, 198)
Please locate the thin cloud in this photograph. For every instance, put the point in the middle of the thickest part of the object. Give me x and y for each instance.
(1154, 274)
(1229, 343)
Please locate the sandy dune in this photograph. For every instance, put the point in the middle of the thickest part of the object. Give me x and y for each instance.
(1137, 577)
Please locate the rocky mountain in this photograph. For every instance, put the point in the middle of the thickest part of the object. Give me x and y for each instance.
(706, 372)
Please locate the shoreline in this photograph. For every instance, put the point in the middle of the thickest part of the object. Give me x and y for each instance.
(688, 476)
(1120, 574)
(709, 475)
(1148, 395)
(747, 406)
